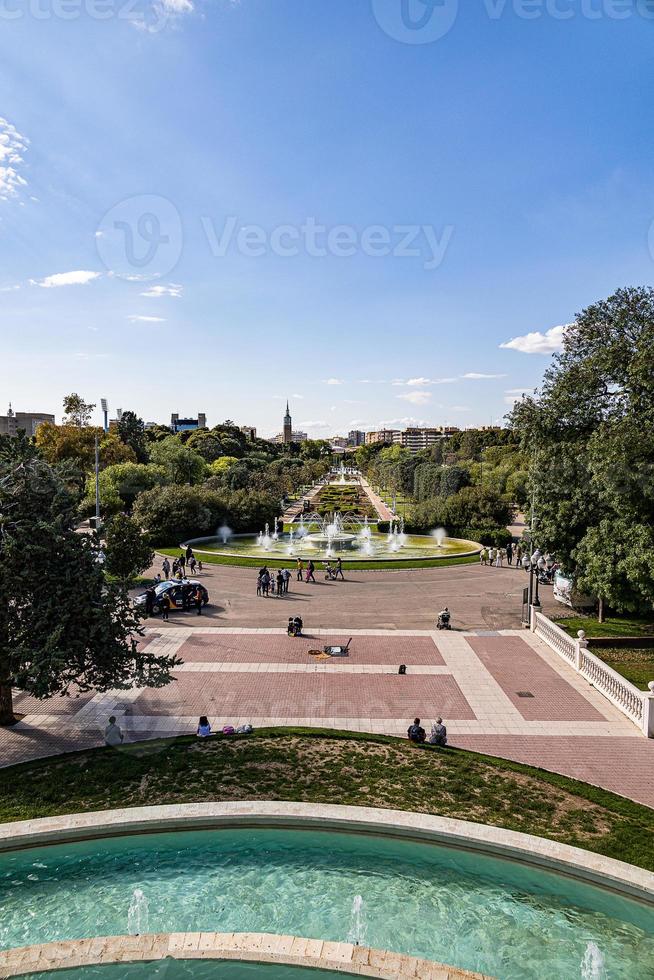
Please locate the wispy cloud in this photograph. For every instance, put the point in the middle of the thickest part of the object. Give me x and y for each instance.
(416, 397)
(513, 395)
(138, 318)
(9, 289)
(538, 342)
(421, 382)
(478, 376)
(12, 147)
(78, 278)
(334, 381)
(156, 292)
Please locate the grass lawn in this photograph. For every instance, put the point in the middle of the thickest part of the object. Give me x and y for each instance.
(210, 559)
(635, 665)
(315, 765)
(612, 626)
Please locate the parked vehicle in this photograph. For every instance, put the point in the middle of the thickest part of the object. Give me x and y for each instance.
(177, 591)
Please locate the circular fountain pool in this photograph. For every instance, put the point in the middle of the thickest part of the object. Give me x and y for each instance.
(351, 545)
(466, 908)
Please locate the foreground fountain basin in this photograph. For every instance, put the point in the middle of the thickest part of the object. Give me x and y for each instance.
(348, 546)
(478, 897)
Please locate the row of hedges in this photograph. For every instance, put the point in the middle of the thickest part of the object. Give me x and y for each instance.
(498, 537)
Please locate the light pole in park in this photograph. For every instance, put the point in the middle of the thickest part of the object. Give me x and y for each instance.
(105, 413)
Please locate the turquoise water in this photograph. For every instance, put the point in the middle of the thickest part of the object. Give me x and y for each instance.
(452, 906)
(188, 970)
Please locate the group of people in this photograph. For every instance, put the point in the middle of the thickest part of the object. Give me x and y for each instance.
(418, 735)
(495, 557)
(270, 584)
(178, 568)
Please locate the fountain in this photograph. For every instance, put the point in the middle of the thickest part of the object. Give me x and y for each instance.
(592, 965)
(224, 533)
(342, 477)
(138, 914)
(439, 534)
(357, 933)
(275, 531)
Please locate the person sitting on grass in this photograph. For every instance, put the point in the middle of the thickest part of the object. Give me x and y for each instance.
(438, 733)
(204, 728)
(416, 732)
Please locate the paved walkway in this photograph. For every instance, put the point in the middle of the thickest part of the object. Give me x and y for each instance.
(500, 692)
(478, 597)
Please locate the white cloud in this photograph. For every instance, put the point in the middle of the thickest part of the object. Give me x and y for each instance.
(12, 146)
(79, 278)
(334, 381)
(172, 289)
(476, 376)
(321, 424)
(300, 397)
(416, 397)
(137, 318)
(407, 421)
(538, 342)
(9, 289)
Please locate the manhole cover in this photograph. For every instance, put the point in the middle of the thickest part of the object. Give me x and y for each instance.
(525, 694)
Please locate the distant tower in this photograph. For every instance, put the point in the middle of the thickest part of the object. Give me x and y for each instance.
(288, 427)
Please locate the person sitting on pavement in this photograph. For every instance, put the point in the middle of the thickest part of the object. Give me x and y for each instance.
(438, 733)
(204, 728)
(297, 622)
(416, 732)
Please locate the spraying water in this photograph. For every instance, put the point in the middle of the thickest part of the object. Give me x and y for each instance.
(592, 965)
(357, 933)
(439, 534)
(224, 533)
(137, 914)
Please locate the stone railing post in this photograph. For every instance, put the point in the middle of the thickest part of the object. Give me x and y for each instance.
(532, 618)
(648, 711)
(581, 643)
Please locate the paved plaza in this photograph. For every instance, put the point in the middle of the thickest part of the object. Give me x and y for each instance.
(504, 693)
(404, 599)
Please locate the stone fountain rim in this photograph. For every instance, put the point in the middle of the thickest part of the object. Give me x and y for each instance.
(396, 559)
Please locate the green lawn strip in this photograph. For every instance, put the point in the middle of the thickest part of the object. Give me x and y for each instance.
(635, 665)
(612, 626)
(324, 766)
(397, 566)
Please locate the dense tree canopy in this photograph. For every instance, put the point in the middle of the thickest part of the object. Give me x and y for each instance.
(63, 626)
(589, 433)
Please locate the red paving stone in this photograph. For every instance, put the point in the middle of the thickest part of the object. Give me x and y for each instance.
(262, 648)
(287, 695)
(621, 765)
(517, 667)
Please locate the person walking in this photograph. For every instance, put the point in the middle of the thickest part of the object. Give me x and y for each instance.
(498, 560)
(175, 567)
(339, 569)
(165, 607)
(280, 584)
(189, 552)
(259, 584)
(265, 581)
(509, 554)
(300, 569)
(181, 564)
(287, 578)
(310, 571)
(483, 557)
(192, 563)
(198, 600)
(491, 557)
(165, 567)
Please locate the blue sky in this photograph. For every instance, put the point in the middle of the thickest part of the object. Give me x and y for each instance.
(511, 158)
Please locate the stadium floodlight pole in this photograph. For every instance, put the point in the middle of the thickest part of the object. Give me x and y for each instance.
(105, 411)
(97, 483)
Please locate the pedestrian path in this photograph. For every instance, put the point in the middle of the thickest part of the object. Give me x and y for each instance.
(504, 693)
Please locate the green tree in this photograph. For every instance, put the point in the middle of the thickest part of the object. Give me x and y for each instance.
(590, 435)
(169, 515)
(182, 465)
(131, 431)
(77, 411)
(127, 553)
(63, 627)
(120, 485)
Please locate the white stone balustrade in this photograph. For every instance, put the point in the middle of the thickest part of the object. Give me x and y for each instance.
(637, 705)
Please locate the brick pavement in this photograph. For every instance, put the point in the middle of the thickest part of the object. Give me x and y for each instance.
(264, 677)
